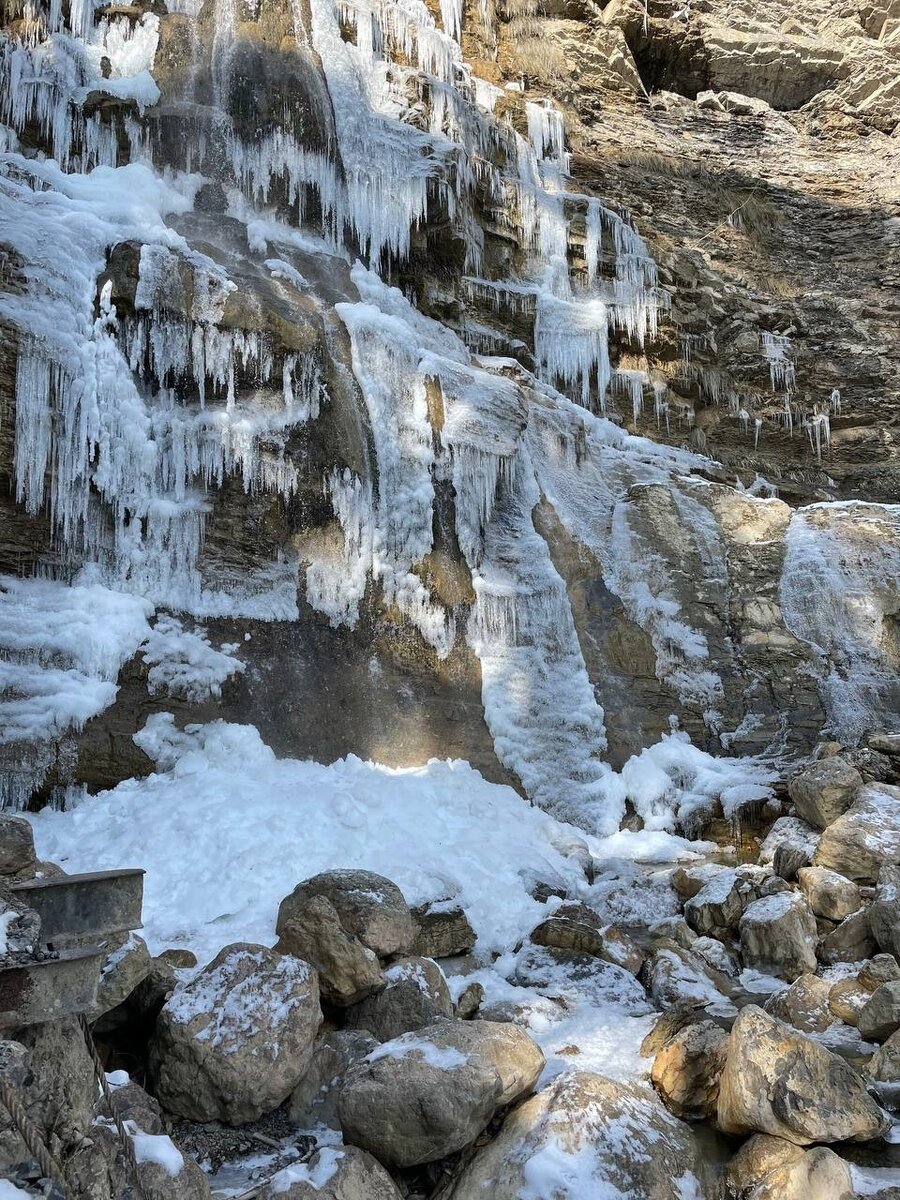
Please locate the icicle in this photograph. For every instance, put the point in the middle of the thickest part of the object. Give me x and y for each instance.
(757, 426)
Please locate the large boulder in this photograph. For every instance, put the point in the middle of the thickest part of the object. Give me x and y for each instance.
(347, 1173)
(576, 927)
(428, 1094)
(769, 1168)
(866, 837)
(828, 894)
(880, 1016)
(779, 936)
(824, 790)
(686, 1071)
(586, 1135)
(415, 995)
(884, 911)
(348, 971)
(123, 970)
(369, 906)
(884, 1066)
(776, 1081)
(234, 1042)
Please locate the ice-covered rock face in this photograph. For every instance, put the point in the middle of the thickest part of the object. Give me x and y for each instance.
(223, 406)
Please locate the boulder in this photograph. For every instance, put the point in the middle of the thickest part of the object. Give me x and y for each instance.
(779, 1082)
(851, 941)
(469, 1001)
(236, 1040)
(348, 971)
(717, 908)
(672, 929)
(883, 968)
(347, 1173)
(368, 905)
(17, 856)
(686, 1071)
(846, 1000)
(673, 976)
(884, 911)
(123, 970)
(769, 1168)
(885, 743)
(880, 1015)
(668, 1025)
(866, 837)
(587, 1135)
(314, 1100)
(428, 1094)
(824, 790)
(416, 994)
(794, 834)
(778, 936)
(804, 1004)
(576, 927)
(717, 955)
(828, 894)
(885, 1064)
(444, 930)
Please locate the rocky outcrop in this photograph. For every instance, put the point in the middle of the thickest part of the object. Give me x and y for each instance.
(369, 907)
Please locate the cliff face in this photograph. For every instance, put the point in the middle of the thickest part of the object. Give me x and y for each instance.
(490, 382)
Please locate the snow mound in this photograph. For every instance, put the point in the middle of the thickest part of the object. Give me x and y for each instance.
(225, 830)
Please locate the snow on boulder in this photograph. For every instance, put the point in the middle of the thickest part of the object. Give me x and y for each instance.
(369, 906)
(586, 1135)
(779, 935)
(428, 1094)
(236, 1040)
(865, 837)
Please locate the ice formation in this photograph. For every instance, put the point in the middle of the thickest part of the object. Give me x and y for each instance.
(142, 394)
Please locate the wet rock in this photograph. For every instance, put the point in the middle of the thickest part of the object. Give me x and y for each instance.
(17, 856)
(805, 1004)
(444, 930)
(430, 1093)
(866, 837)
(369, 906)
(348, 971)
(416, 994)
(880, 1016)
(314, 1099)
(347, 1173)
(623, 1140)
(770, 1168)
(778, 936)
(779, 1082)
(234, 1042)
(884, 911)
(576, 927)
(823, 791)
(829, 895)
(686, 1071)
